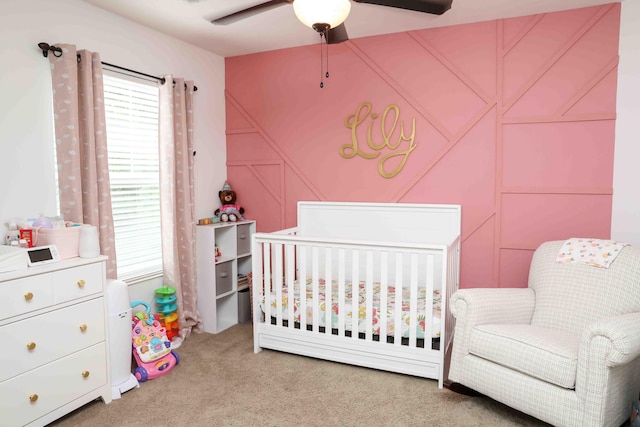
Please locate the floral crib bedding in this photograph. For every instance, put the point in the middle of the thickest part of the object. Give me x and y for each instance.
(362, 322)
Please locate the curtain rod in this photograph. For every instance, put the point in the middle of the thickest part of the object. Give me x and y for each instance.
(57, 52)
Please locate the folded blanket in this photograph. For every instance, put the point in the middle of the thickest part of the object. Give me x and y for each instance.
(595, 252)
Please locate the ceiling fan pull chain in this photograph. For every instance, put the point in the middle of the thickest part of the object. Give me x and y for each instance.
(326, 40)
(321, 67)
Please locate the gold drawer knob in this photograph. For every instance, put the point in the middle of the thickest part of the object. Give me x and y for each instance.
(28, 296)
(31, 346)
(33, 398)
(81, 283)
(83, 328)
(85, 374)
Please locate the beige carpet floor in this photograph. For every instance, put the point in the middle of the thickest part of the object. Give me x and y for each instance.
(221, 382)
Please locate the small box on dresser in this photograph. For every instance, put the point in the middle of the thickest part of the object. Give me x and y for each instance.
(54, 355)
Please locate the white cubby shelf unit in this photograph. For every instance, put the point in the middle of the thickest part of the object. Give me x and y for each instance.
(223, 262)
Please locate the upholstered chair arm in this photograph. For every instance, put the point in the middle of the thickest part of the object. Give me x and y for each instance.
(623, 333)
(492, 305)
(608, 356)
(609, 342)
(477, 306)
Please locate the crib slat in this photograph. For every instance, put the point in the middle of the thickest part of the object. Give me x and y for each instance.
(314, 288)
(328, 292)
(278, 280)
(397, 324)
(267, 282)
(369, 297)
(413, 300)
(302, 280)
(428, 309)
(384, 289)
(341, 296)
(257, 288)
(289, 261)
(355, 289)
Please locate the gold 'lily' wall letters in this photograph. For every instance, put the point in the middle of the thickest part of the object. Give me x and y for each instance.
(349, 151)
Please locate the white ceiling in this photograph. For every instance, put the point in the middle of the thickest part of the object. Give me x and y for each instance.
(189, 20)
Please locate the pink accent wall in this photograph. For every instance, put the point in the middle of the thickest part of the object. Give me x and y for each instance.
(514, 120)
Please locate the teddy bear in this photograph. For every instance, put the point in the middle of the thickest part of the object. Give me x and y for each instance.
(230, 211)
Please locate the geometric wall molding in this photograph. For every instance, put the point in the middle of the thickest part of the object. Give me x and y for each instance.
(514, 120)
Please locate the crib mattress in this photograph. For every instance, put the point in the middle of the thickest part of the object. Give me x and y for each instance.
(361, 294)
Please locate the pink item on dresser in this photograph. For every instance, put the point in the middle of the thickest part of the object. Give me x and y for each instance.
(66, 240)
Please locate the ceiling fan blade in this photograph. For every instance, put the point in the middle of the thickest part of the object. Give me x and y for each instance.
(245, 13)
(337, 34)
(436, 7)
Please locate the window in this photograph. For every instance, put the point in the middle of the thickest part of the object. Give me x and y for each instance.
(132, 137)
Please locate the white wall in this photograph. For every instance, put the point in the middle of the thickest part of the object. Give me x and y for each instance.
(625, 224)
(26, 125)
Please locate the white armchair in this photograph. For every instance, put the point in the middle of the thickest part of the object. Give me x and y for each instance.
(564, 350)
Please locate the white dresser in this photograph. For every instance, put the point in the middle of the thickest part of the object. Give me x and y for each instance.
(54, 349)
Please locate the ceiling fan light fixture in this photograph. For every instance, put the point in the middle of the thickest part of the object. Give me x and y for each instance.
(331, 12)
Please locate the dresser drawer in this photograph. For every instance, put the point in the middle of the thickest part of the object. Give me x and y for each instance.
(30, 396)
(41, 339)
(26, 294)
(77, 282)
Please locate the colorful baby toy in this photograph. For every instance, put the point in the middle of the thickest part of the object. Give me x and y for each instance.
(167, 310)
(151, 347)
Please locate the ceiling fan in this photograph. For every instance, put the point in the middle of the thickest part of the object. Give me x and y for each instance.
(338, 33)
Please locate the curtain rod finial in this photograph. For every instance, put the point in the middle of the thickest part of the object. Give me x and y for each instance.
(57, 52)
(45, 48)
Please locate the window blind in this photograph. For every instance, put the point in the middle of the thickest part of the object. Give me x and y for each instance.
(131, 109)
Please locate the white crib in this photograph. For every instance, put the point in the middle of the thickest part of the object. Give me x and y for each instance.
(305, 280)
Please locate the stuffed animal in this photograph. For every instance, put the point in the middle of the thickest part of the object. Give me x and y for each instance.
(229, 211)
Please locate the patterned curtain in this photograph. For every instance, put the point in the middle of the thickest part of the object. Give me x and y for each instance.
(81, 144)
(177, 213)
